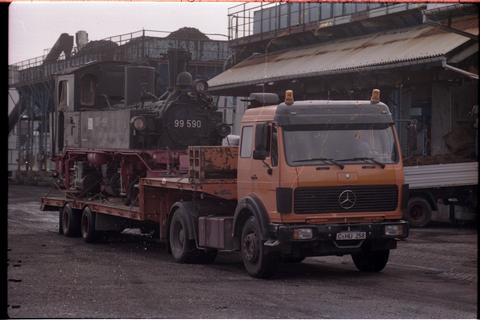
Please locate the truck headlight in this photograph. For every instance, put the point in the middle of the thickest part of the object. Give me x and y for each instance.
(394, 230)
(302, 234)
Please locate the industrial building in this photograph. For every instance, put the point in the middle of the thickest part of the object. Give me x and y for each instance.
(423, 58)
(31, 83)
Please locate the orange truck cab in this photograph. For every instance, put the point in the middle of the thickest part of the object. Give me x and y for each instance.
(318, 178)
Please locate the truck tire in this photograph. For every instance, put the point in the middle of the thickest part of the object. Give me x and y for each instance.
(371, 261)
(89, 233)
(70, 221)
(419, 212)
(257, 262)
(60, 221)
(182, 248)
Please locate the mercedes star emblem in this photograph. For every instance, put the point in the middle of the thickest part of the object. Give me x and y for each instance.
(347, 199)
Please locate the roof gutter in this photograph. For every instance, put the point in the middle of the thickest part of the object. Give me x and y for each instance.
(458, 70)
(450, 29)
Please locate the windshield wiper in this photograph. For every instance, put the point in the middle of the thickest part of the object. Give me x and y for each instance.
(322, 159)
(381, 164)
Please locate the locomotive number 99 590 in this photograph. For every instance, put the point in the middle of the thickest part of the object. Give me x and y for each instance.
(187, 123)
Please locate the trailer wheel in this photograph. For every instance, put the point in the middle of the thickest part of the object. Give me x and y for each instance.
(70, 221)
(60, 221)
(89, 234)
(257, 262)
(180, 246)
(371, 261)
(419, 212)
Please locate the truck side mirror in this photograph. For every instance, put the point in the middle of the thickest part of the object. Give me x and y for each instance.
(261, 134)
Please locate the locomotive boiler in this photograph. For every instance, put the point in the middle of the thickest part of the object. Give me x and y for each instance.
(111, 129)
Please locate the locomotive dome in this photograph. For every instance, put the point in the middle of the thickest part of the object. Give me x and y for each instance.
(184, 79)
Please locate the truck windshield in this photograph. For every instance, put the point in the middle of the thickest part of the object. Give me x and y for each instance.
(374, 144)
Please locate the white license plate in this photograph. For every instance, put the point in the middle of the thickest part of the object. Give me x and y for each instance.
(351, 235)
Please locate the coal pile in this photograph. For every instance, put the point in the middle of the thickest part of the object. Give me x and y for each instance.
(187, 33)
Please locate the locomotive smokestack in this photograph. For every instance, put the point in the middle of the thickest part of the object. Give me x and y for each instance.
(81, 39)
(177, 62)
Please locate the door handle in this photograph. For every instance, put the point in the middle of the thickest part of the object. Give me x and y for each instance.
(254, 177)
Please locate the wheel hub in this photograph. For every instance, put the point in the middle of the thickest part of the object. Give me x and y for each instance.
(250, 247)
(181, 237)
(416, 213)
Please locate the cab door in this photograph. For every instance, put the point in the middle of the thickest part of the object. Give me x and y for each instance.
(244, 175)
(264, 175)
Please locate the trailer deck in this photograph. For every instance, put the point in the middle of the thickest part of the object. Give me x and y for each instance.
(441, 175)
(221, 188)
(111, 206)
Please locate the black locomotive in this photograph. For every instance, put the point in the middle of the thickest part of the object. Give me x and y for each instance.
(112, 105)
(111, 129)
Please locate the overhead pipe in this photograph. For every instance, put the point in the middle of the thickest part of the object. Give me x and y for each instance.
(458, 70)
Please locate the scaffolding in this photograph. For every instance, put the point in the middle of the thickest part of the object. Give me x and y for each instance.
(261, 21)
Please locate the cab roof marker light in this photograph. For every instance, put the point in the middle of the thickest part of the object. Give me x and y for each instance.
(289, 97)
(375, 96)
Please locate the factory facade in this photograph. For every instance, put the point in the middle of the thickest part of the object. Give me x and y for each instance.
(423, 58)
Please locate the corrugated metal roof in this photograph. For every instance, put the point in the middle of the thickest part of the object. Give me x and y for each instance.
(442, 175)
(381, 49)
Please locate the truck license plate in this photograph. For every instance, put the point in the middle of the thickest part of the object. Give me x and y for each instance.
(351, 235)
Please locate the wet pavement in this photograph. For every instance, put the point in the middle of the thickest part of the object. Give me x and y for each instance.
(433, 274)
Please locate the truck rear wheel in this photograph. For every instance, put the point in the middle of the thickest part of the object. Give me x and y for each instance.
(257, 262)
(60, 221)
(182, 248)
(371, 261)
(419, 212)
(89, 233)
(70, 221)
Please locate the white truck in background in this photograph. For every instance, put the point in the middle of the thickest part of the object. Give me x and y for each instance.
(441, 192)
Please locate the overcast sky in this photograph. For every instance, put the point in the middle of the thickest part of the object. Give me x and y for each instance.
(34, 27)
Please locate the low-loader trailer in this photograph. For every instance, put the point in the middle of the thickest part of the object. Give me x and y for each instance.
(309, 178)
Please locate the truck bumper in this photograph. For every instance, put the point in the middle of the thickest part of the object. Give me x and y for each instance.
(330, 239)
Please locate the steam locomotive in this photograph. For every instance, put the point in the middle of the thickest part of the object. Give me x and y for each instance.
(111, 129)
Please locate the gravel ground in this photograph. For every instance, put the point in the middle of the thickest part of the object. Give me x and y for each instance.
(433, 274)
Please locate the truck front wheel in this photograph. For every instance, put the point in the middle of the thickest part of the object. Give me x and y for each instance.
(371, 261)
(419, 212)
(257, 262)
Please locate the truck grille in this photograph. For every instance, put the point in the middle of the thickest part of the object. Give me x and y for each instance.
(346, 199)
